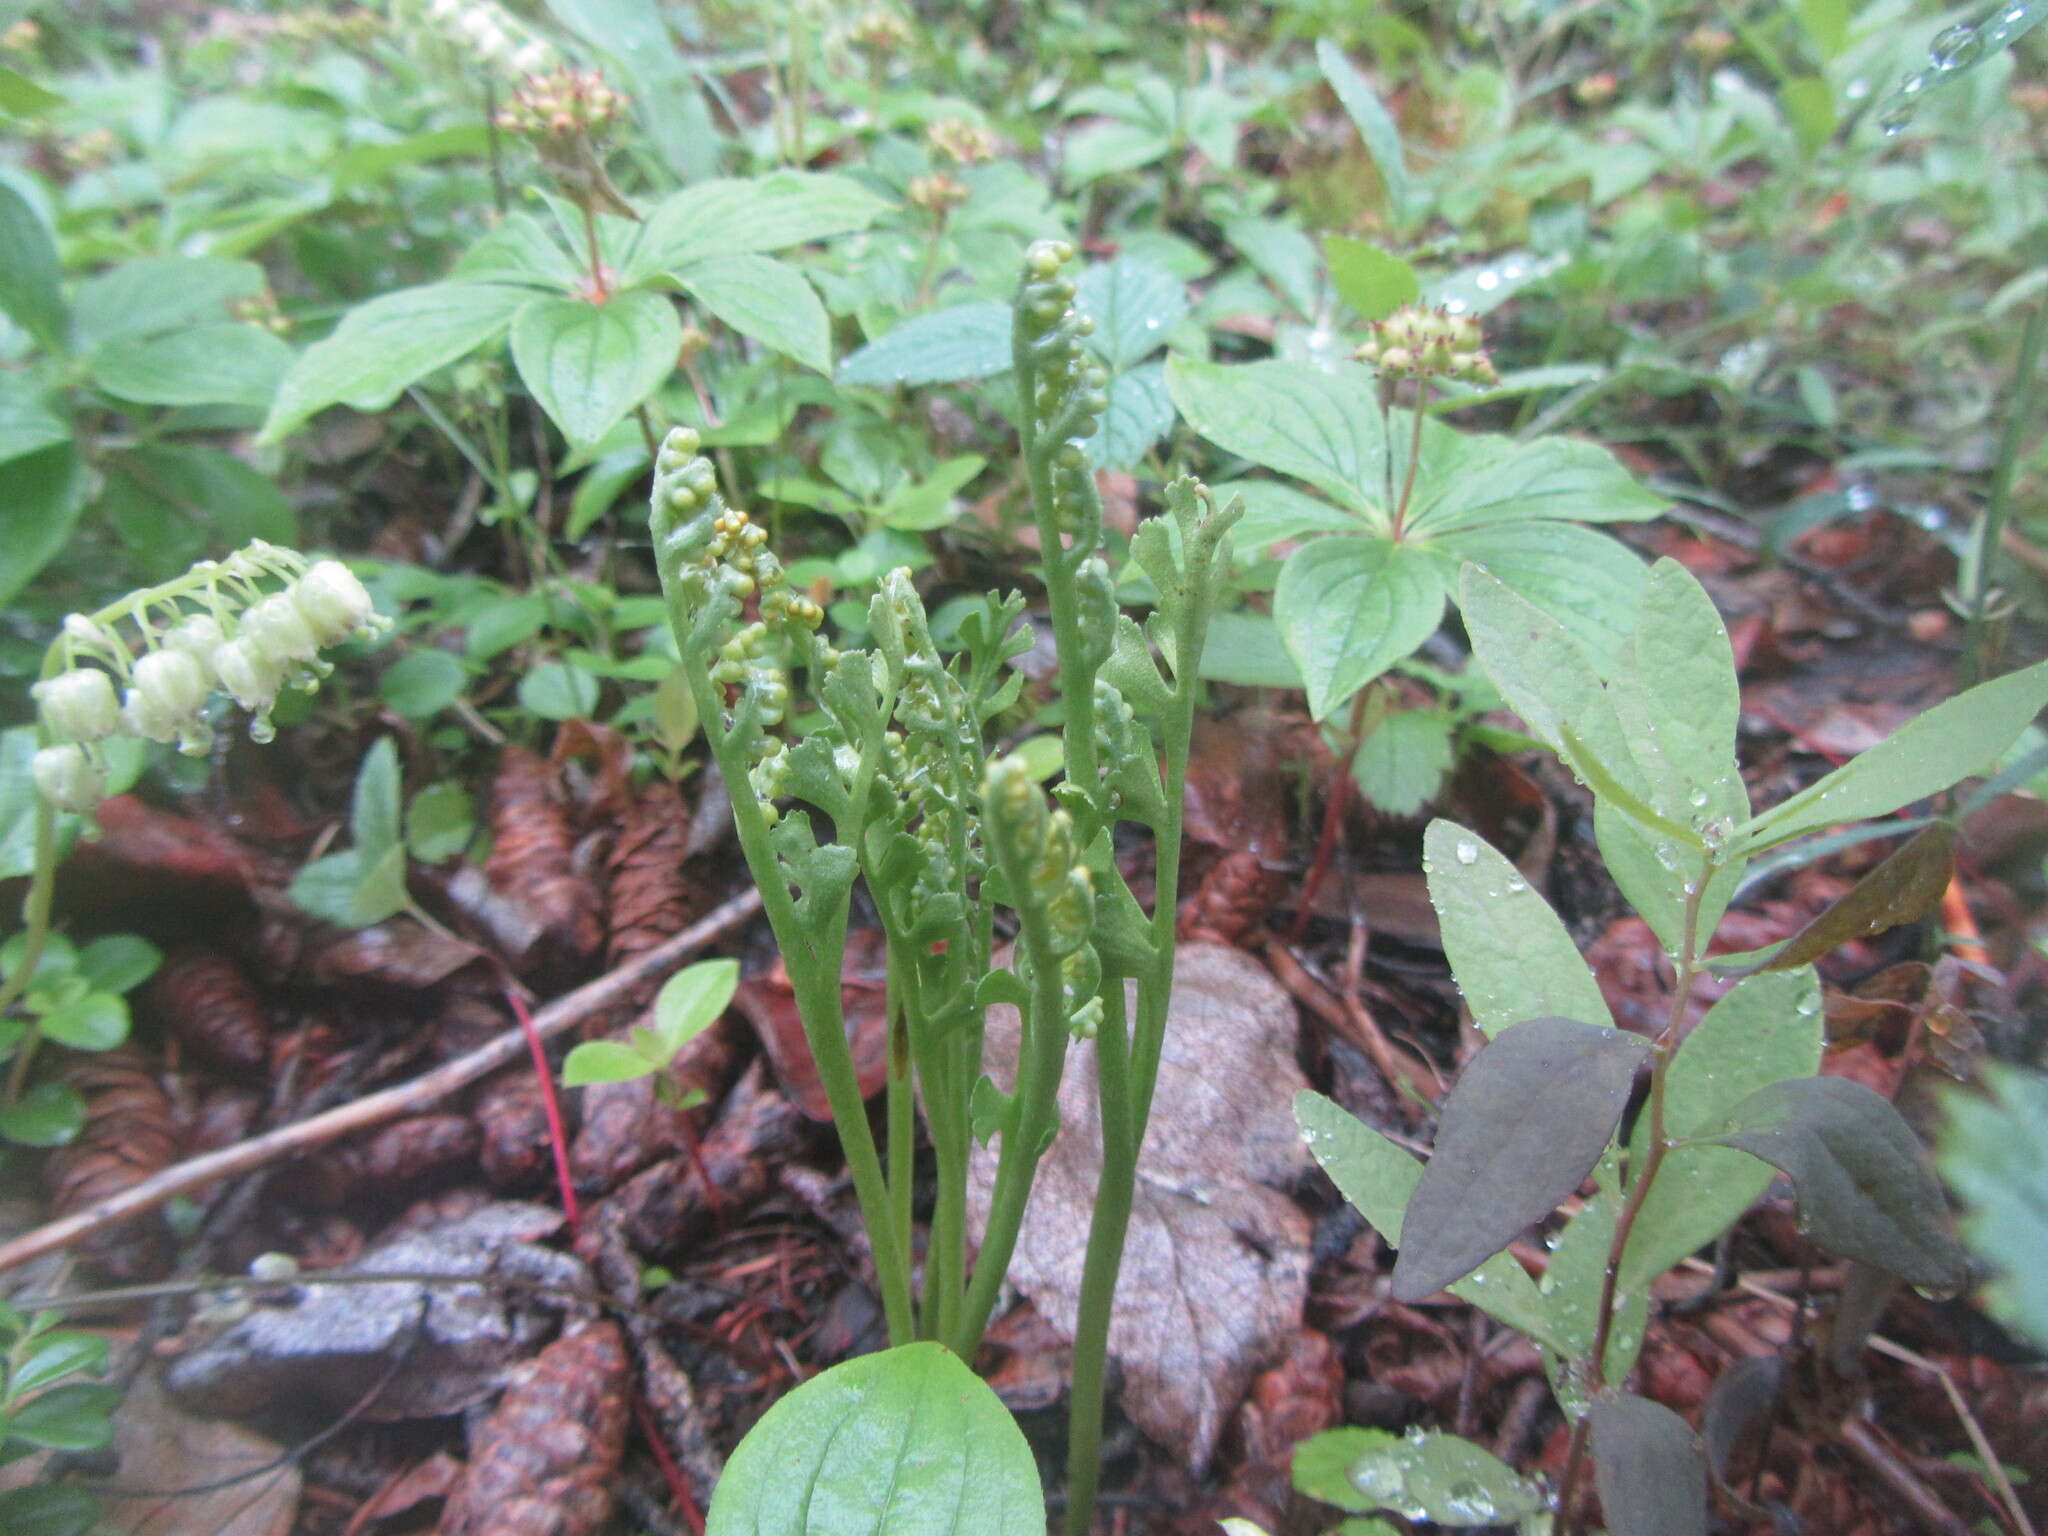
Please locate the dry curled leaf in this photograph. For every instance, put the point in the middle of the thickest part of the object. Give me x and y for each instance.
(130, 1133)
(769, 1003)
(1218, 1254)
(533, 862)
(546, 1461)
(204, 997)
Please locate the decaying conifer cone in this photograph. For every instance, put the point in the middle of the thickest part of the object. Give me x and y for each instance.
(205, 998)
(1232, 901)
(547, 1459)
(130, 1133)
(646, 897)
(533, 861)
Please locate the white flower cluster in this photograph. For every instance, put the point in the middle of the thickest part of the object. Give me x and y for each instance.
(237, 638)
(491, 35)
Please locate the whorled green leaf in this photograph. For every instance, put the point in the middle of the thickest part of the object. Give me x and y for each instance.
(730, 216)
(1134, 304)
(1282, 255)
(1373, 282)
(157, 491)
(1508, 950)
(45, 494)
(1475, 480)
(27, 423)
(1350, 607)
(520, 249)
(1648, 1468)
(1245, 648)
(391, 342)
(1140, 413)
(1276, 513)
(1962, 736)
(589, 364)
(1322, 427)
(154, 294)
(766, 299)
(28, 272)
(222, 364)
(1863, 1181)
(1765, 1030)
(1375, 126)
(1377, 1177)
(968, 341)
(1994, 1154)
(1423, 1475)
(1587, 581)
(1526, 1122)
(907, 1442)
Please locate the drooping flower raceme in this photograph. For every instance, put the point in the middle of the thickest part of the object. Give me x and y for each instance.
(223, 626)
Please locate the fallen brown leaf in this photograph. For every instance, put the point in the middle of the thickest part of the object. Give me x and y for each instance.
(239, 1484)
(1216, 1264)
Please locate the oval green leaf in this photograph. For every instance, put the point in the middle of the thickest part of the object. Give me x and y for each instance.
(908, 1442)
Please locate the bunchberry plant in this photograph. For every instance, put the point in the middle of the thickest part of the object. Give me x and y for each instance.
(889, 780)
(1730, 1104)
(1402, 499)
(149, 668)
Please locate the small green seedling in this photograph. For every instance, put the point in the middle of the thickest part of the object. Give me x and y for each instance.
(687, 1005)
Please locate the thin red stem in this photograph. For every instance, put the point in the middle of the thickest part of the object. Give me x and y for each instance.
(678, 1484)
(558, 1136)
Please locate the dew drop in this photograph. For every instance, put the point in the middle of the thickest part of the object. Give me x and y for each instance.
(1957, 48)
(1517, 884)
(1697, 799)
(1468, 851)
(1487, 281)
(1454, 306)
